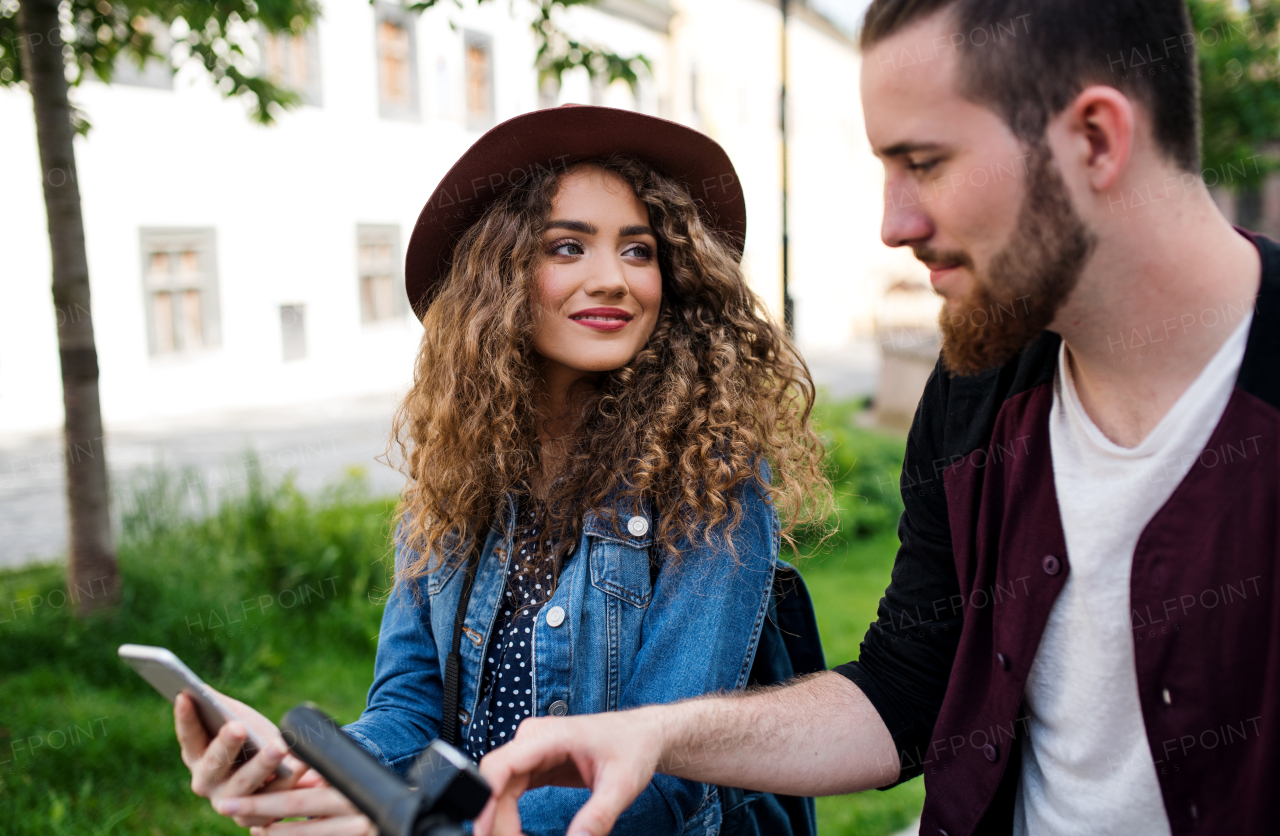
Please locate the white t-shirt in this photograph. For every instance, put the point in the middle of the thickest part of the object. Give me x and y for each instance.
(1086, 764)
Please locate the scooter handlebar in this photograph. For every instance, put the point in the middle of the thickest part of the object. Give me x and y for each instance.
(448, 788)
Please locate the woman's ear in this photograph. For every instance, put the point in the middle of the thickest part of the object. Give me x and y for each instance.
(1098, 128)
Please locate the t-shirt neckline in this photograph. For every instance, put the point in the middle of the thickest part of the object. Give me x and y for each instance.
(1229, 354)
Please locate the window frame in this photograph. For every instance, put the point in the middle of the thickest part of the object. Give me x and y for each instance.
(313, 92)
(399, 297)
(411, 112)
(473, 122)
(203, 241)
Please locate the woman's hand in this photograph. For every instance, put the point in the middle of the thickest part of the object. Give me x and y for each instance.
(332, 814)
(212, 762)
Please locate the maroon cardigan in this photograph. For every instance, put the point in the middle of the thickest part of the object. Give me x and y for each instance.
(983, 559)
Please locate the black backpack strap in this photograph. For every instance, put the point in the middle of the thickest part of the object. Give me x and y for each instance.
(450, 728)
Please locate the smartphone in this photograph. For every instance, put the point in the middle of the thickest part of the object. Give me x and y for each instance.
(168, 675)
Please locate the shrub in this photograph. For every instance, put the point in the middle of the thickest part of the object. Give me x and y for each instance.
(226, 591)
(864, 467)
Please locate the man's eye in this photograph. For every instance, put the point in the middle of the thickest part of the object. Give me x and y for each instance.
(922, 167)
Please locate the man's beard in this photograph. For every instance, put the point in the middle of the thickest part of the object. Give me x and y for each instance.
(1027, 281)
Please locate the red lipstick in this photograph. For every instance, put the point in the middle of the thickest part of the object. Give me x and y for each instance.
(602, 319)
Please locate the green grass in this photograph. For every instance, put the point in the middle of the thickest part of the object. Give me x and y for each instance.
(274, 598)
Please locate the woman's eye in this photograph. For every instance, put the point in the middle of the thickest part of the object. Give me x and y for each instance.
(567, 248)
(638, 251)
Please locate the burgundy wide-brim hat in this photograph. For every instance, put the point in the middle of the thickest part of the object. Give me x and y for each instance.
(555, 139)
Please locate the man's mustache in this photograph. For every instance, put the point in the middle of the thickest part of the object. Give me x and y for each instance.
(953, 258)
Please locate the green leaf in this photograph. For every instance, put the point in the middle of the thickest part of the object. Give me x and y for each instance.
(1239, 63)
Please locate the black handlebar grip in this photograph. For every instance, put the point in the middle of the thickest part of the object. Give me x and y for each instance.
(449, 782)
(379, 793)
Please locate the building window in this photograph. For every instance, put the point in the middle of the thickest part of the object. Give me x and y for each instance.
(382, 294)
(180, 280)
(293, 331)
(397, 63)
(479, 80)
(293, 62)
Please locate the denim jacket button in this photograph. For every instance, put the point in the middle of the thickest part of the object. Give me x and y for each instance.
(559, 708)
(638, 526)
(555, 616)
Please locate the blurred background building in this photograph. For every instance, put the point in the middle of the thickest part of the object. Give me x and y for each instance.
(250, 278)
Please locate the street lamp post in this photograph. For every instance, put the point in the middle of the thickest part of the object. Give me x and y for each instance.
(788, 306)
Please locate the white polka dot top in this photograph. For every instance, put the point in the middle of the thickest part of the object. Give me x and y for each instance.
(506, 684)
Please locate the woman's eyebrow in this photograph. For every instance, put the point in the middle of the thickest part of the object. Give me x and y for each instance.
(640, 229)
(575, 226)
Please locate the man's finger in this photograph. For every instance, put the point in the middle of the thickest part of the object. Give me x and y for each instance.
(547, 762)
(501, 816)
(609, 797)
(319, 801)
(506, 818)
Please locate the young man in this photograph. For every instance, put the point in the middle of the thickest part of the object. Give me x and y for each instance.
(1082, 632)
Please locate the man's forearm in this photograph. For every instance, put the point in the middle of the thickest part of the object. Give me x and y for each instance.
(819, 736)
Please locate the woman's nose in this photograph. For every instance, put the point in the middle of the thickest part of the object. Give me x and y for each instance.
(608, 278)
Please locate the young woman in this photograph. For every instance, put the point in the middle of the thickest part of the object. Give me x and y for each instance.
(602, 428)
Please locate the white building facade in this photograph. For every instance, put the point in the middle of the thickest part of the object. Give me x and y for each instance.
(234, 266)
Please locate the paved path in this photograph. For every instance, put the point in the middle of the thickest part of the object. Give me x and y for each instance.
(316, 442)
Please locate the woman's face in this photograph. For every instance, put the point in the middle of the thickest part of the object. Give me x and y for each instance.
(599, 281)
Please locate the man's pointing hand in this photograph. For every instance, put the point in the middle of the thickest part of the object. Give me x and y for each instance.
(614, 755)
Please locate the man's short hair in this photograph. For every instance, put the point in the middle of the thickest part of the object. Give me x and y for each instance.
(1028, 59)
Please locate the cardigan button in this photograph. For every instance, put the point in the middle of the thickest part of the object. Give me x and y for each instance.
(555, 616)
(559, 708)
(1003, 660)
(991, 753)
(942, 832)
(1051, 565)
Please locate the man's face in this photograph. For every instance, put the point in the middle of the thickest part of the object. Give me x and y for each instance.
(988, 216)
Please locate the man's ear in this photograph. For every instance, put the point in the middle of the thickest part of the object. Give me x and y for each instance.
(1098, 128)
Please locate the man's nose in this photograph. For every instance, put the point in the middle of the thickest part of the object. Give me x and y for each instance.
(905, 221)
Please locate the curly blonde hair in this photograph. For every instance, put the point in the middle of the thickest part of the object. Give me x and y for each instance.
(717, 389)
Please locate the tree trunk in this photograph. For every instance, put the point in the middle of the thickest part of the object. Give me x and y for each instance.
(92, 573)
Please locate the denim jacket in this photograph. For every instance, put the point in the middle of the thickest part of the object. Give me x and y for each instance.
(623, 642)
